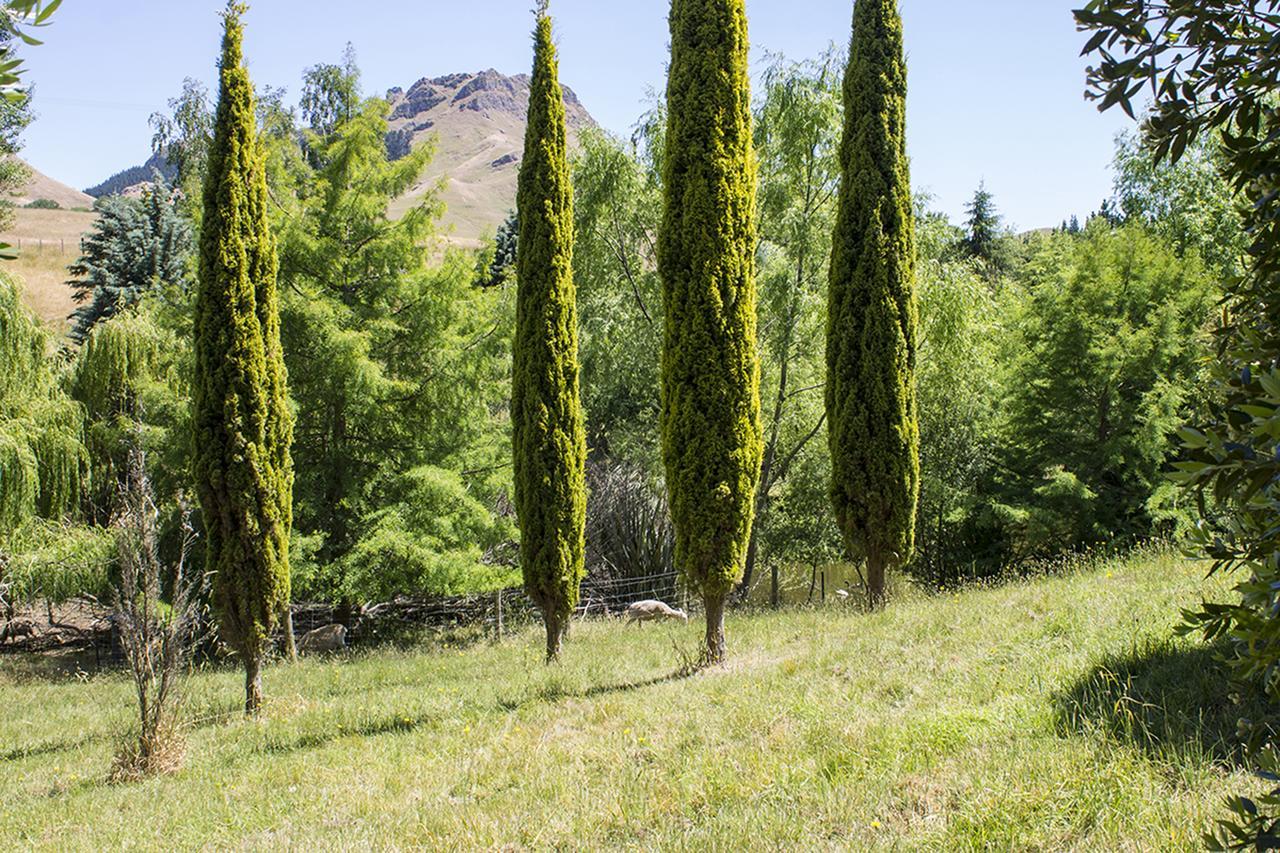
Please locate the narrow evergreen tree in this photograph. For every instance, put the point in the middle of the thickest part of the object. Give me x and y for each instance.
(871, 324)
(550, 440)
(982, 228)
(242, 425)
(711, 435)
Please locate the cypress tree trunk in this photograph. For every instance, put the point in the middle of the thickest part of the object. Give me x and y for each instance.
(550, 446)
(875, 581)
(716, 649)
(555, 635)
(242, 428)
(711, 436)
(871, 322)
(290, 642)
(252, 684)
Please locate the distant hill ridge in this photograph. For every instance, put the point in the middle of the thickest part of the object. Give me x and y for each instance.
(479, 122)
(123, 182)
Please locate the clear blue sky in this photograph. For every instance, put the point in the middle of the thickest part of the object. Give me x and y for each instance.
(995, 84)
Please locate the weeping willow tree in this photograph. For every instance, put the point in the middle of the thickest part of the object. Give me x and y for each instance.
(242, 426)
(119, 361)
(43, 463)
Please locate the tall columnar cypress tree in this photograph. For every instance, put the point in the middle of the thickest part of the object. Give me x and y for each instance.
(242, 425)
(550, 438)
(871, 324)
(711, 438)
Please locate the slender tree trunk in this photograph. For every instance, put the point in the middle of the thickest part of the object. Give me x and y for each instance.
(774, 599)
(290, 643)
(252, 683)
(715, 650)
(555, 636)
(875, 581)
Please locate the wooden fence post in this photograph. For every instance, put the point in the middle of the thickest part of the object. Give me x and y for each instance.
(499, 616)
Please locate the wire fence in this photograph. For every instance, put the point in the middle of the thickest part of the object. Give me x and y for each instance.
(40, 245)
(491, 613)
(94, 643)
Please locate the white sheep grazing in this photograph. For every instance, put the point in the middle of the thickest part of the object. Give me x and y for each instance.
(330, 638)
(644, 611)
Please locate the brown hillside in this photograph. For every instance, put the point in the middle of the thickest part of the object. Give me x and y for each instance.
(41, 186)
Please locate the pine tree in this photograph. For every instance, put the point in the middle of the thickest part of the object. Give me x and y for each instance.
(547, 421)
(134, 246)
(242, 425)
(871, 325)
(982, 228)
(711, 434)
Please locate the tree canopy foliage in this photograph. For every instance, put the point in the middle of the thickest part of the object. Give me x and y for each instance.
(1213, 69)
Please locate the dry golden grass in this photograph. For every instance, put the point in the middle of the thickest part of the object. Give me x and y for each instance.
(47, 241)
(62, 228)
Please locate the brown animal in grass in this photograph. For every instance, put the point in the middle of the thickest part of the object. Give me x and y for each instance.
(647, 611)
(330, 638)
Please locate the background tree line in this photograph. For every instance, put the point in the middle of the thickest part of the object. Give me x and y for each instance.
(1053, 371)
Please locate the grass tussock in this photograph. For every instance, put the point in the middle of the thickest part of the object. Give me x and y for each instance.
(1057, 714)
(140, 757)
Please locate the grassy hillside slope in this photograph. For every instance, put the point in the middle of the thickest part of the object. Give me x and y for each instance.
(1057, 714)
(41, 186)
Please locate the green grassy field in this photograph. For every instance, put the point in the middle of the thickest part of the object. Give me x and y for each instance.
(1056, 714)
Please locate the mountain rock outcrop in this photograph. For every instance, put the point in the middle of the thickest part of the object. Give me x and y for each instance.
(478, 122)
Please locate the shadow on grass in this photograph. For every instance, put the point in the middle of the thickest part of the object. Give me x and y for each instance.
(396, 724)
(51, 747)
(555, 691)
(1171, 699)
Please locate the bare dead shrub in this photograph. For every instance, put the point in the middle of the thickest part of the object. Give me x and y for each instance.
(157, 631)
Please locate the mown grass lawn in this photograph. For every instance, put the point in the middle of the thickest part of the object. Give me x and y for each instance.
(1054, 714)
